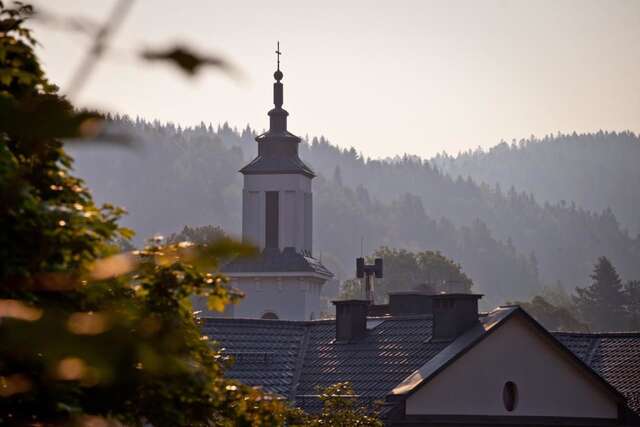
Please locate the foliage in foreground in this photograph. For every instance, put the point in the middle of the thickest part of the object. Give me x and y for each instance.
(339, 408)
(90, 336)
(86, 331)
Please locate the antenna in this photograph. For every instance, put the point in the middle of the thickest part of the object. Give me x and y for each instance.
(369, 271)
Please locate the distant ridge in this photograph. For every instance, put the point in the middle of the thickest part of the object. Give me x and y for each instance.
(595, 170)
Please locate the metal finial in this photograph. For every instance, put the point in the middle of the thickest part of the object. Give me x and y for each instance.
(278, 53)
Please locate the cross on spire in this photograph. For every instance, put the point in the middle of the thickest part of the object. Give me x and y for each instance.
(278, 53)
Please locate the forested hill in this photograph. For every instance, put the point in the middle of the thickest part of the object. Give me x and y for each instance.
(596, 171)
(508, 243)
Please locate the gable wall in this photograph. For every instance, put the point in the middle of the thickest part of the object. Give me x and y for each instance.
(549, 383)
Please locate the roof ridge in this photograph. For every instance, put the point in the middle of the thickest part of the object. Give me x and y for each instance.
(297, 371)
(211, 319)
(304, 323)
(630, 334)
(451, 352)
(593, 348)
(400, 317)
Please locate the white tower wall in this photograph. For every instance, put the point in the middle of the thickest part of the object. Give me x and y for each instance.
(294, 210)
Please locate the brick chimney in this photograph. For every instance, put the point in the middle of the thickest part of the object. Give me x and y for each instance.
(351, 319)
(405, 303)
(453, 314)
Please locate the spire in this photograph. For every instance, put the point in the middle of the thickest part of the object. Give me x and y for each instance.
(278, 116)
(277, 147)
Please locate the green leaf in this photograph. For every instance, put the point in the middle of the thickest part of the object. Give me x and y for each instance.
(215, 303)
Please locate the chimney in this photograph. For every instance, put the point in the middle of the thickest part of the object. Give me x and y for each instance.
(453, 314)
(351, 319)
(405, 303)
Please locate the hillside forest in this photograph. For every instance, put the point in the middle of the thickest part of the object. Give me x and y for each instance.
(513, 235)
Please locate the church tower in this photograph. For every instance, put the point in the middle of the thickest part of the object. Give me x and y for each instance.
(284, 281)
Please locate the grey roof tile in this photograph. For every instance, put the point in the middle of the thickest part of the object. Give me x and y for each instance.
(615, 356)
(265, 352)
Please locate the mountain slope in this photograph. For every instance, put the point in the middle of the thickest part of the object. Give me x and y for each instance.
(596, 171)
(508, 243)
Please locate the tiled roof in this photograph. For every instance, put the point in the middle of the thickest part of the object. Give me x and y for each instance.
(293, 358)
(265, 351)
(283, 350)
(391, 351)
(276, 261)
(615, 356)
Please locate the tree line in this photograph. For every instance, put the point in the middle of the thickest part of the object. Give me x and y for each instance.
(608, 304)
(592, 170)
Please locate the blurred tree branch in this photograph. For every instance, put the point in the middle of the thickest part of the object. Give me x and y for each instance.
(99, 46)
(186, 59)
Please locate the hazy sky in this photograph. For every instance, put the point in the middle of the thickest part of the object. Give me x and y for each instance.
(388, 77)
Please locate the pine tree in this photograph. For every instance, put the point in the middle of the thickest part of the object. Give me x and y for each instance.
(632, 307)
(337, 176)
(602, 303)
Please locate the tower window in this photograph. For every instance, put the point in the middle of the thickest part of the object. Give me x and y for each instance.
(271, 220)
(510, 396)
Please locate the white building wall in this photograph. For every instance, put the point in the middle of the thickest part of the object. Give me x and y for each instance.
(300, 225)
(316, 305)
(295, 209)
(288, 218)
(251, 231)
(549, 383)
(277, 182)
(308, 225)
(289, 297)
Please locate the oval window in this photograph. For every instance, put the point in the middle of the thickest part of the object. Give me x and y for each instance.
(510, 396)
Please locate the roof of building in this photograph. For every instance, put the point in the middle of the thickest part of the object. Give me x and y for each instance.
(277, 165)
(488, 324)
(392, 350)
(266, 352)
(452, 350)
(277, 147)
(294, 358)
(272, 260)
(615, 356)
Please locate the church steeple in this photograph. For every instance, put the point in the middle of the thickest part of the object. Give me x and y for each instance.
(277, 217)
(277, 147)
